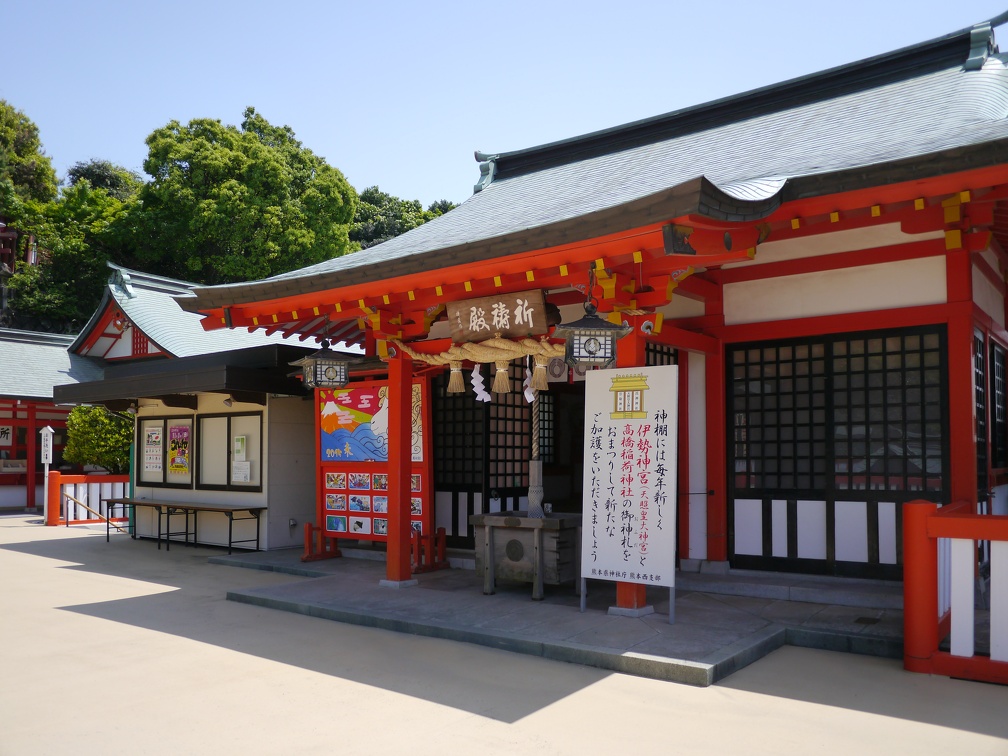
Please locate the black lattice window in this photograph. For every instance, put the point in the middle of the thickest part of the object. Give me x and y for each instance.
(889, 409)
(779, 413)
(458, 427)
(659, 354)
(510, 434)
(980, 405)
(999, 408)
(854, 412)
(547, 427)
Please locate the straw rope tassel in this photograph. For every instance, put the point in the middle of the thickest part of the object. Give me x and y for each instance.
(539, 380)
(456, 383)
(501, 384)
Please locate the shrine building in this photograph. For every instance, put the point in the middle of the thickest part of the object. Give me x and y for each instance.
(824, 259)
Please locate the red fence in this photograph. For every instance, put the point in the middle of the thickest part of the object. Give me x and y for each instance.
(940, 570)
(80, 499)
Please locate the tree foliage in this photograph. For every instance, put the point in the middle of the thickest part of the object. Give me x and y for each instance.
(380, 216)
(98, 437)
(119, 182)
(228, 204)
(76, 236)
(23, 162)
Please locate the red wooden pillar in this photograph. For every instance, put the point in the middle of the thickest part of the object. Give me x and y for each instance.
(717, 503)
(400, 457)
(962, 403)
(920, 587)
(32, 441)
(682, 473)
(630, 352)
(717, 445)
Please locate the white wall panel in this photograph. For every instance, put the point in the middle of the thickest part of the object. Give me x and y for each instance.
(811, 529)
(697, 408)
(849, 240)
(749, 526)
(851, 531)
(887, 533)
(779, 517)
(871, 287)
(987, 297)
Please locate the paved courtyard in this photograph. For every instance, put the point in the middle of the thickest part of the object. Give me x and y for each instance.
(121, 648)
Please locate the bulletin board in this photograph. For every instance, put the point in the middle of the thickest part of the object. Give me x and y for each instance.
(353, 466)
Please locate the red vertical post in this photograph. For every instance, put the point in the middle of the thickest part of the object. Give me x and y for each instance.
(717, 444)
(920, 587)
(32, 443)
(717, 449)
(53, 502)
(962, 404)
(400, 457)
(631, 353)
(683, 463)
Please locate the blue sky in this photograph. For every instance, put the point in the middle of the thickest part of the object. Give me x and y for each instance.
(400, 94)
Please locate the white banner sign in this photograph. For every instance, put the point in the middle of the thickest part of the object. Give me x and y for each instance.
(629, 532)
(6, 435)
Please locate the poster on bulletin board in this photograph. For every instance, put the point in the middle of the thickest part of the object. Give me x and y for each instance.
(354, 424)
(353, 462)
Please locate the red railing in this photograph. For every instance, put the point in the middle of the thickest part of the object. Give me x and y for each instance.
(80, 499)
(939, 588)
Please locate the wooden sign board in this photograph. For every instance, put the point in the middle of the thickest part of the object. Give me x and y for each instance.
(515, 315)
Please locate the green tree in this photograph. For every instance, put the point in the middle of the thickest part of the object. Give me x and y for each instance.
(22, 160)
(119, 182)
(76, 236)
(228, 204)
(98, 437)
(380, 216)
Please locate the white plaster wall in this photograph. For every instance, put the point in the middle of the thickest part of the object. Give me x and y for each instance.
(999, 500)
(697, 456)
(779, 527)
(885, 235)
(290, 434)
(872, 287)
(887, 534)
(987, 297)
(851, 533)
(123, 347)
(811, 529)
(748, 526)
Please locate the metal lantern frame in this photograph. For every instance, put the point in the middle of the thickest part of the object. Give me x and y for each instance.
(592, 339)
(324, 368)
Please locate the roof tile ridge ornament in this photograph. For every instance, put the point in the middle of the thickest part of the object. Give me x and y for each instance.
(982, 45)
(488, 169)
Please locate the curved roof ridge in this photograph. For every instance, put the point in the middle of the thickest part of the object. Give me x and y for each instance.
(907, 62)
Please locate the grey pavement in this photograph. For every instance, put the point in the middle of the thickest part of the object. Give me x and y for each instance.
(118, 648)
(721, 623)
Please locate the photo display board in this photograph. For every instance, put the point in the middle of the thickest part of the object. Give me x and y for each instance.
(630, 465)
(354, 467)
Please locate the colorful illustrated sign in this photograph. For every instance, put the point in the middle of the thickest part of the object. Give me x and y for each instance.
(178, 449)
(355, 423)
(629, 531)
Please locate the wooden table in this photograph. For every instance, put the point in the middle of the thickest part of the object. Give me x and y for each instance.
(168, 509)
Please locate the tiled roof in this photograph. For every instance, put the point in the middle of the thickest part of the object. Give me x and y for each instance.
(32, 363)
(148, 302)
(778, 142)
